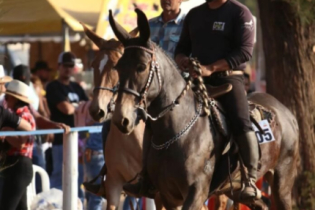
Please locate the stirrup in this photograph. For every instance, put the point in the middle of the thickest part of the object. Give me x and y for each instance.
(250, 188)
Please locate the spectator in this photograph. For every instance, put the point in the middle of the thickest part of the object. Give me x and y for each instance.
(42, 71)
(63, 97)
(18, 170)
(23, 74)
(41, 93)
(93, 154)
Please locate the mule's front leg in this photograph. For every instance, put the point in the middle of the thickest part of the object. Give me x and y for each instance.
(196, 197)
(113, 188)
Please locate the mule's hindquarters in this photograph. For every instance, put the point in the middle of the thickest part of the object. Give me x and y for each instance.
(285, 170)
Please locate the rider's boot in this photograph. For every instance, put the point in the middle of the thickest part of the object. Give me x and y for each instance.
(249, 151)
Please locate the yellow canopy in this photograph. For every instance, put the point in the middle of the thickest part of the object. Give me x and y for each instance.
(123, 11)
(42, 17)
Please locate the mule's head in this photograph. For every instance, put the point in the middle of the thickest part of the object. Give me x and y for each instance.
(134, 70)
(105, 76)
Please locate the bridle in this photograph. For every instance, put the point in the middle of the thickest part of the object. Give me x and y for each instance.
(114, 89)
(154, 68)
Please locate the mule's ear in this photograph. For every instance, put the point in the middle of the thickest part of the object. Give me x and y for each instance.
(98, 41)
(119, 31)
(143, 25)
(134, 32)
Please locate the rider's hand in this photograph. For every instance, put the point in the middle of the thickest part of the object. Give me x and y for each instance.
(184, 63)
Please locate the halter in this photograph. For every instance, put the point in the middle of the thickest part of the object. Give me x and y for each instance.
(154, 68)
(114, 89)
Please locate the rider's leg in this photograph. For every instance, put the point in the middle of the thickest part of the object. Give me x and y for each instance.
(236, 105)
(143, 188)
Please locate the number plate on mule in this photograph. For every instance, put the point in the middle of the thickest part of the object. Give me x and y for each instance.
(267, 136)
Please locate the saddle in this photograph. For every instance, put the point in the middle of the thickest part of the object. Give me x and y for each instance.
(217, 91)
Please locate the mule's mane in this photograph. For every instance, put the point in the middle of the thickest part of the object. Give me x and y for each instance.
(171, 60)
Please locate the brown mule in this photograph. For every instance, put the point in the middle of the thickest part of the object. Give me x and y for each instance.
(123, 154)
(185, 155)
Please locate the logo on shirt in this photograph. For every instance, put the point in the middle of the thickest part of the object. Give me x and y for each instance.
(249, 25)
(218, 26)
(73, 97)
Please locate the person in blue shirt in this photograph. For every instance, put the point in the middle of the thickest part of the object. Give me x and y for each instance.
(167, 27)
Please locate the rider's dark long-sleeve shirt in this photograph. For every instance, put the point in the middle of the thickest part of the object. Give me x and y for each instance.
(224, 33)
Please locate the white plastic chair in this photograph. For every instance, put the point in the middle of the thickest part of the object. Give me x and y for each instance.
(31, 189)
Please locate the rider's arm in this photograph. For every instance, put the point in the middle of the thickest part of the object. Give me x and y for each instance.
(243, 39)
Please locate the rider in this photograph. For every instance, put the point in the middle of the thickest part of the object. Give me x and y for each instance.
(165, 31)
(220, 33)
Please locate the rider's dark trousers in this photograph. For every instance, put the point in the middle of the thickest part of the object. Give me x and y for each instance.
(234, 102)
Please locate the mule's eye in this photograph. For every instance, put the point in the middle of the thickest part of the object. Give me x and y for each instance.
(141, 67)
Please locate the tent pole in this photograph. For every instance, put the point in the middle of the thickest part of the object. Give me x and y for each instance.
(65, 37)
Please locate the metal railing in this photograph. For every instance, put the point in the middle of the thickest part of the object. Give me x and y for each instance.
(70, 159)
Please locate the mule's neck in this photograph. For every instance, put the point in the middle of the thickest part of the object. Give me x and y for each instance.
(172, 81)
(172, 86)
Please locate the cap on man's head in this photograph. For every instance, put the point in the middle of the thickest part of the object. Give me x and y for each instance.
(66, 58)
(22, 73)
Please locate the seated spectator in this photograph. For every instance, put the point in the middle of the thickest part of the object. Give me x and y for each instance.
(18, 171)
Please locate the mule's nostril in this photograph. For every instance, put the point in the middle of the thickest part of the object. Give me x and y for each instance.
(101, 113)
(125, 122)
